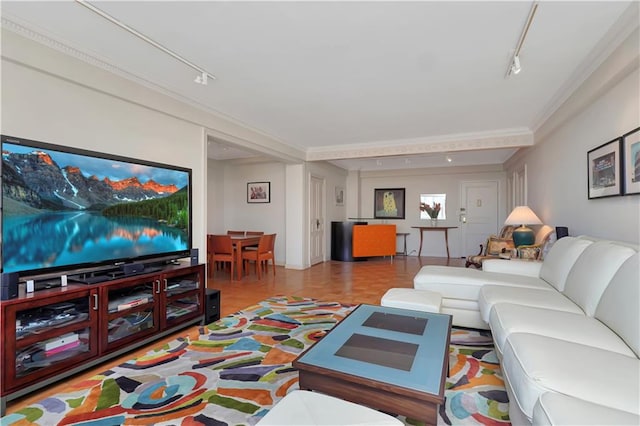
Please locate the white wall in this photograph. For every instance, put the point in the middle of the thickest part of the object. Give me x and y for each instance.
(243, 216)
(215, 197)
(333, 177)
(429, 181)
(40, 106)
(297, 213)
(605, 107)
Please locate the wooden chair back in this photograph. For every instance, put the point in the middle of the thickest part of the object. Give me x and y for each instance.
(262, 255)
(266, 243)
(220, 249)
(221, 244)
(241, 233)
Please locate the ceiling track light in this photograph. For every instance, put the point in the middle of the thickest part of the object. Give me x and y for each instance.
(200, 79)
(514, 63)
(515, 67)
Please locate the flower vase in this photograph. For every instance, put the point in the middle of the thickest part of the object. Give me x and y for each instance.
(434, 221)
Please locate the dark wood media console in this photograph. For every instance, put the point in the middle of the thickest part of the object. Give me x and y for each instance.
(57, 332)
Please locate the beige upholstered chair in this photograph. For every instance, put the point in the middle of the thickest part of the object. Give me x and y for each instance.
(493, 248)
(537, 251)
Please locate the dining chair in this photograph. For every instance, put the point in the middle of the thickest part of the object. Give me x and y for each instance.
(253, 234)
(222, 251)
(241, 233)
(262, 255)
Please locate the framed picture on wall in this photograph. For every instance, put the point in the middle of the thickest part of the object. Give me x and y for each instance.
(258, 192)
(339, 194)
(388, 203)
(603, 168)
(631, 162)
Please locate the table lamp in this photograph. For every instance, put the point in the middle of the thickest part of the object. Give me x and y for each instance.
(523, 215)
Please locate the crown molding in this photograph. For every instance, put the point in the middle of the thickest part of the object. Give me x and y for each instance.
(25, 31)
(506, 138)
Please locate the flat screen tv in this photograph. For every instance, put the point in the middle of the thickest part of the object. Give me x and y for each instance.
(66, 209)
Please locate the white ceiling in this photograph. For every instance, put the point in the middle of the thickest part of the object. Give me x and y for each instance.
(367, 85)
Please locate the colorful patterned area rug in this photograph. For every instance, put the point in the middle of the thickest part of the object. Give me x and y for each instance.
(233, 371)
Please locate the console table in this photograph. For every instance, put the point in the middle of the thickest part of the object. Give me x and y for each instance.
(444, 229)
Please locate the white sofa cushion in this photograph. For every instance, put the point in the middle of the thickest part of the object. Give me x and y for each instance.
(492, 294)
(557, 409)
(301, 407)
(593, 271)
(534, 364)
(618, 307)
(507, 319)
(513, 266)
(464, 283)
(560, 260)
(410, 298)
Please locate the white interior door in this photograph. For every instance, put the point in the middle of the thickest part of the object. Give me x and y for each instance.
(478, 214)
(316, 227)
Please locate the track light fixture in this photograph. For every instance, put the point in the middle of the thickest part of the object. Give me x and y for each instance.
(201, 79)
(515, 67)
(514, 64)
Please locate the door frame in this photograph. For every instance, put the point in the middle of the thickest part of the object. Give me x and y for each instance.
(320, 198)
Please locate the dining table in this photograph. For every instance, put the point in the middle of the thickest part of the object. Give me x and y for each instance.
(240, 241)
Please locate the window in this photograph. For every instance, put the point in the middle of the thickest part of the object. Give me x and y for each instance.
(431, 200)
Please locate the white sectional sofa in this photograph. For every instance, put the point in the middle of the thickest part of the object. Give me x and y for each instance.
(567, 330)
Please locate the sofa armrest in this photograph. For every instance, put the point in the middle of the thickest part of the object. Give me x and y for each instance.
(513, 266)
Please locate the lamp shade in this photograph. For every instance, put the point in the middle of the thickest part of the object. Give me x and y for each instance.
(523, 215)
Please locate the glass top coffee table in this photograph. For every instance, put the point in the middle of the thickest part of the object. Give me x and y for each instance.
(392, 359)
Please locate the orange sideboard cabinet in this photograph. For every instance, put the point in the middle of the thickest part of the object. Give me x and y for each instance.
(374, 240)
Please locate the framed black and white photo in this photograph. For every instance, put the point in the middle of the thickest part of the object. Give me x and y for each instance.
(258, 192)
(388, 203)
(631, 162)
(603, 165)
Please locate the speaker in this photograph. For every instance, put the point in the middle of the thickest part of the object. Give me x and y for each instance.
(211, 306)
(9, 286)
(132, 268)
(562, 231)
(195, 258)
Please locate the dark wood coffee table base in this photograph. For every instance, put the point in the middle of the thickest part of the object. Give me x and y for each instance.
(388, 398)
(390, 359)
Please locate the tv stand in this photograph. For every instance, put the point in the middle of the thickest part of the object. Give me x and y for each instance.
(113, 274)
(99, 322)
(46, 284)
(89, 278)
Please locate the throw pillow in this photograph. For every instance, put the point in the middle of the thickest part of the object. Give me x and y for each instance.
(529, 252)
(496, 245)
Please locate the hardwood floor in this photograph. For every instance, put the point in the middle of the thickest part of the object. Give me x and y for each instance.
(347, 282)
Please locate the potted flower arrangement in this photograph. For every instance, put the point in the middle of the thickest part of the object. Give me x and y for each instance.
(433, 211)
